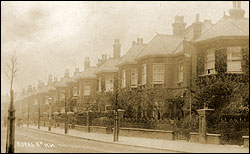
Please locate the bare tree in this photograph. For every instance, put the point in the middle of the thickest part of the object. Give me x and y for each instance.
(11, 74)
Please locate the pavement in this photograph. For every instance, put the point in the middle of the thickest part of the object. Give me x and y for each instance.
(160, 144)
(33, 141)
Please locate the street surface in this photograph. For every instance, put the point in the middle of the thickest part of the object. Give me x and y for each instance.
(34, 141)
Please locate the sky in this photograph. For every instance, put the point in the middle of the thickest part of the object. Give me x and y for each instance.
(50, 37)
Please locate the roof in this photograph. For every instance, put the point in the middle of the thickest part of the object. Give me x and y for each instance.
(88, 73)
(62, 82)
(162, 45)
(189, 32)
(228, 27)
(109, 66)
(132, 53)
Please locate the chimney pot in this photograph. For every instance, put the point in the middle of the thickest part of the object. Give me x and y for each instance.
(197, 17)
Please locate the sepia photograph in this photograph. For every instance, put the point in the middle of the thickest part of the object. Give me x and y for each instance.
(124, 76)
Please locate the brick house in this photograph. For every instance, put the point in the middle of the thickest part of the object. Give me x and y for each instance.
(164, 62)
(228, 36)
(107, 77)
(86, 86)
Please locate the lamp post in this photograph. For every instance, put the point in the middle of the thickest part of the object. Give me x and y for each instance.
(66, 116)
(39, 113)
(49, 127)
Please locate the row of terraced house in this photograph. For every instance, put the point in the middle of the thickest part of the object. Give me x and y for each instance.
(169, 62)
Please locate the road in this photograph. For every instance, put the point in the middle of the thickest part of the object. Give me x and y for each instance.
(34, 141)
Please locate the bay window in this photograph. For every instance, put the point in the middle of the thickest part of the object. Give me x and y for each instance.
(210, 62)
(180, 71)
(123, 78)
(143, 74)
(109, 83)
(134, 77)
(158, 73)
(234, 58)
(86, 91)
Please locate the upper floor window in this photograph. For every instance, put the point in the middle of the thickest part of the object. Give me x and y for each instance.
(234, 58)
(143, 74)
(180, 71)
(109, 83)
(123, 78)
(100, 84)
(158, 73)
(86, 90)
(210, 62)
(134, 77)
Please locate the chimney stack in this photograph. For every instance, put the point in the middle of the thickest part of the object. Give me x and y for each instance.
(66, 74)
(55, 80)
(237, 11)
(49, 80)
(179, 26)
(86, 63)
(197, 27)
(29, 89)
(117, 49)
(76, 71)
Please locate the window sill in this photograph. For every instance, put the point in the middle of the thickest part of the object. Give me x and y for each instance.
(157, 82)
(179, 82)
(234, 72)
(207, 74)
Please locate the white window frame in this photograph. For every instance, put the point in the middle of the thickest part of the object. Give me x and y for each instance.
(123, 78)
(144, 74)
(109, 83)
(134, 77)
(232, 60)
(62, 95)
(74, 89)
(210, 60)
(158, 76)
(86, 91)
(180, 75)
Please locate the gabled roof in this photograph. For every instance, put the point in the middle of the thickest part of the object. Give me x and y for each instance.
(132, 53)
(109, 66)
(88, 73)
(227, 27)
(161, 45)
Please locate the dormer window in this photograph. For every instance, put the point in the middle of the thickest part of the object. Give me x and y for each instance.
(210, 62)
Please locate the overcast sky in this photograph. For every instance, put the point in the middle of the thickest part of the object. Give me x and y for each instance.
(52, 36)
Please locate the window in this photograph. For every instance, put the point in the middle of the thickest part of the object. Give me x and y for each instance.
(158, 73)
(62, 95)
(86, 90)
(143, 74)
(210, 62)
(100, 84)
(74, 91)
(234, 58)
(180, 71)
(123, 78)
(109, 83)
(134, 77)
